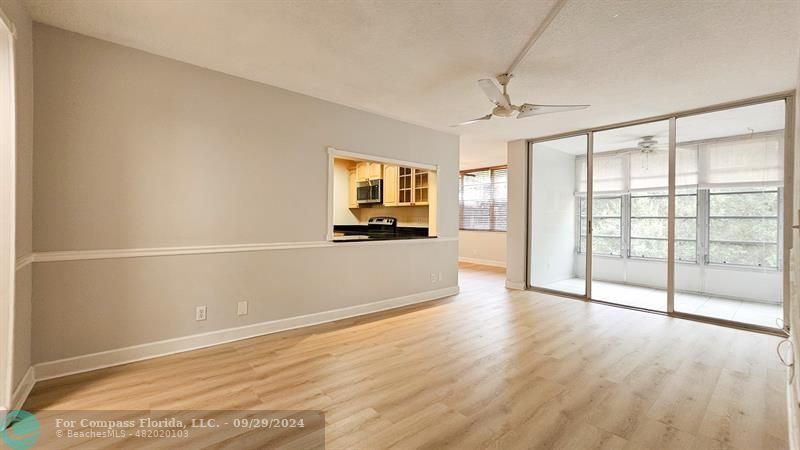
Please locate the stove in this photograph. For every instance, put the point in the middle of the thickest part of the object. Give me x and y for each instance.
(382, 227)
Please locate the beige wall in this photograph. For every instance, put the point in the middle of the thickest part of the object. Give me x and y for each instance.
(132, 147)
(407, 216)
(342, 214)
(482, 247)
(517, 214)
(23, 65)
(135, 150)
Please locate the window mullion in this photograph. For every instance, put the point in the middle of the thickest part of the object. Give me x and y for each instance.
(626, 225)
(703, 225)
(580, 224)
(492, 224)
(779, 249)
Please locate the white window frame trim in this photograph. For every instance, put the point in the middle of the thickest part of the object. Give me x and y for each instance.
(460, 200)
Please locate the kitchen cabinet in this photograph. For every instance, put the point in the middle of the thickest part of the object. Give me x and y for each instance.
(375, 171)
(402, 186)
(362, 171)
(352, 197)
(405, 190)
(421, 184)
(412, 187)
(368, 171)
(390, 187)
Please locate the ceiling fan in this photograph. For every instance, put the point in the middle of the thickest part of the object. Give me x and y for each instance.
(647, 144)
(503, 106)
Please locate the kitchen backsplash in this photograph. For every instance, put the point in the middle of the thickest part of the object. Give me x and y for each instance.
(407, 216)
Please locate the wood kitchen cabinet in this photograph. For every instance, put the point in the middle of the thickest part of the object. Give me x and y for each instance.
(352, 197)
(402, 186)
(411, 186)
(405, 178)
(375, 171)
(362, 171)
(421, 183)
(390, 186)
(368, 171)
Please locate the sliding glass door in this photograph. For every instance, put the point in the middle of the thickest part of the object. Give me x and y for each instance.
(732, 161)
(558, 224)
(685, 215)
(630, 179)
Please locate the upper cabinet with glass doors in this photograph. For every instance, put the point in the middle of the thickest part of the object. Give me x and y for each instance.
(413, 186)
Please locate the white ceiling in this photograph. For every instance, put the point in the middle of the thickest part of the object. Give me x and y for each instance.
(418, 60)
(478, 152)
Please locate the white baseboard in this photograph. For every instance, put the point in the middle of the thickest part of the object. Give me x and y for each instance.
(125, 355)
(483, 262)
(23, 389)
(514, 285)
(18, 397)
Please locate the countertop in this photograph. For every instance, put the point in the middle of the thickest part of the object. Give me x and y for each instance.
(356, 233)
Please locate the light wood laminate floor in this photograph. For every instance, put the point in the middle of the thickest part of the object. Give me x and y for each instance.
(489, 367)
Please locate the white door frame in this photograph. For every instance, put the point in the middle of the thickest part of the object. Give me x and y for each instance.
(7, 203)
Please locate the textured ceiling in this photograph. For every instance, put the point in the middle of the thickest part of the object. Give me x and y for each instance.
(478, 152)
(418, 60)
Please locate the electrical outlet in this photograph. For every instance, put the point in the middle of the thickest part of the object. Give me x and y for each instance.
(241, 308)
(440, 276)
(433, 277)
(200, 313)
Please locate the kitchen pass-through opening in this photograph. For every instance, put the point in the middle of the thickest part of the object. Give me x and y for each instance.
(377, 199)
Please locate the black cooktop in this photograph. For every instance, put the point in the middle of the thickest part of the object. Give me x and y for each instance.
(380, 234)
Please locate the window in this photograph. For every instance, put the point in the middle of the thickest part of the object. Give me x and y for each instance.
(483, 203)
(648, 235)
(743, 227)
(606, 224)
(727, 203)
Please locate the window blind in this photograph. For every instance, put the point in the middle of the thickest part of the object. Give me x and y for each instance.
(609, 173)
(650, 171)
(754, 161)
(483, 199)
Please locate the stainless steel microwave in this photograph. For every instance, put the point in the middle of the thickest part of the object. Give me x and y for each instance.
(370, 192)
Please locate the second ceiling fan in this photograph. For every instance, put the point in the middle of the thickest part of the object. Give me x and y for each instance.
(503, 106)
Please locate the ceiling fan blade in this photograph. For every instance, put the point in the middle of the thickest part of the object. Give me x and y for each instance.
(486, 117)
(529, 109)
(493, 93)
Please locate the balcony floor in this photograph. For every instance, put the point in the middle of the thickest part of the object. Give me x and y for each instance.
(761, 313)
